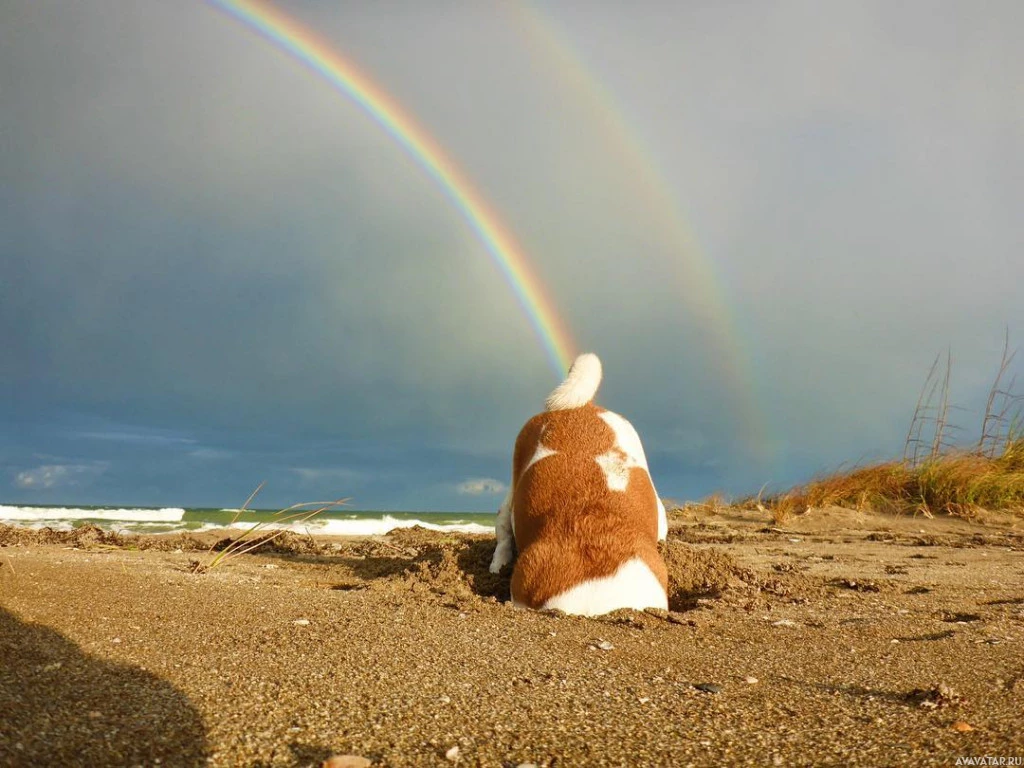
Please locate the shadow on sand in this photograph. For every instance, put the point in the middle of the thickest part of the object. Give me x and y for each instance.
(62, 706)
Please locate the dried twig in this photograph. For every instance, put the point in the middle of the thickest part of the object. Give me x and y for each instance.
(941, 416)
(924, 400)
(246, 543)
(991, 423)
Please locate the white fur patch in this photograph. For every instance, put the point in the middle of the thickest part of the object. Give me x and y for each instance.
(633, 585)
(628, 452)
(626, 438)
(616, 466)
(542, 452)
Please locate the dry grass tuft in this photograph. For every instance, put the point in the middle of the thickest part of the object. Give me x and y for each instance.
(934, 475)
(710, 505)
(257, 536)
(957, 483)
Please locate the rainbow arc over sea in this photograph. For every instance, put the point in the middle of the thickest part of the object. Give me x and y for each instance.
(305, 46)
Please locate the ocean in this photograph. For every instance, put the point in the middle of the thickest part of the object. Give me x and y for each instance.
(337, 522)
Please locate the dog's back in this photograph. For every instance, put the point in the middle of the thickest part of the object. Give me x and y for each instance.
(584, 510)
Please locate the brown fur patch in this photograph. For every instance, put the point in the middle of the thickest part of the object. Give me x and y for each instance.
(569, 525)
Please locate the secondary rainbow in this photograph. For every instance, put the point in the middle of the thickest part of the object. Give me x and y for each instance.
(304, 45)
(705, 293)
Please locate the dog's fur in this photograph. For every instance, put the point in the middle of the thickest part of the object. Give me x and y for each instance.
(581, 509)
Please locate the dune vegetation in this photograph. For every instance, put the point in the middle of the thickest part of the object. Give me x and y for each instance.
(938, 473)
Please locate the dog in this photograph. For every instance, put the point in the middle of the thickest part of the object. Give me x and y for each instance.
(581, 508)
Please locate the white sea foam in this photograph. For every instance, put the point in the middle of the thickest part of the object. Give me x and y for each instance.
(55, 514)
(170, 520)
(358, 527)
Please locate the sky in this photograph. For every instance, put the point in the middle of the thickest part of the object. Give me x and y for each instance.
(766, 219)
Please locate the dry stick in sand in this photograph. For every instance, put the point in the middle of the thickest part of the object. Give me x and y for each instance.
(1011, 414)
(238, 514)
(924, 403)
(239, 546)
(992, 423)
(941, 417)
(1015, 432)
(933, 385)
(243, 543)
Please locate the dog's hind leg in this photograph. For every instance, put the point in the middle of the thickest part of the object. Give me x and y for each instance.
(505, 549)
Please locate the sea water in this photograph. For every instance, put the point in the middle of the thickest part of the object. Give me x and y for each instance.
(336, 522)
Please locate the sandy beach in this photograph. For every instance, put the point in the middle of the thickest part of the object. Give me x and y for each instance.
(837, 638)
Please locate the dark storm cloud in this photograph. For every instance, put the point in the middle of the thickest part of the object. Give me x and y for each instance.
(216, 270)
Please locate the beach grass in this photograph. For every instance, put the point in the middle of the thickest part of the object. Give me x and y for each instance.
(260, 535)
(956, 482)
(709, 505)
(937, 474)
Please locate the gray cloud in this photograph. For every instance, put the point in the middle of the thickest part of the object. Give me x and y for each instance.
(136, 437)
(478, 486)
(50, 476)
(211, 454)
(327, 474)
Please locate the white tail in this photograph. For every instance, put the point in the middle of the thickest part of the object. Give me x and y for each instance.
(579, 386)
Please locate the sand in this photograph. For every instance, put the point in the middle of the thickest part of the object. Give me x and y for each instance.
(836, 639)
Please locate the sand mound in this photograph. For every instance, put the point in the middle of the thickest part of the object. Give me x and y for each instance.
(273, 542)
(82, 537)
(699, 573)
(89, 536)
(455, 568)
(450, 567)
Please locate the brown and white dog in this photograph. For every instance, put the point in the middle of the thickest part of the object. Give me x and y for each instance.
(581, 509)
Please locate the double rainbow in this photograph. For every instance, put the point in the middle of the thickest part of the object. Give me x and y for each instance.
(307, 47)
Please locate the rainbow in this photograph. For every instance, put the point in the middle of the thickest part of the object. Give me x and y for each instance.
(706, 295)
(302, 44)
